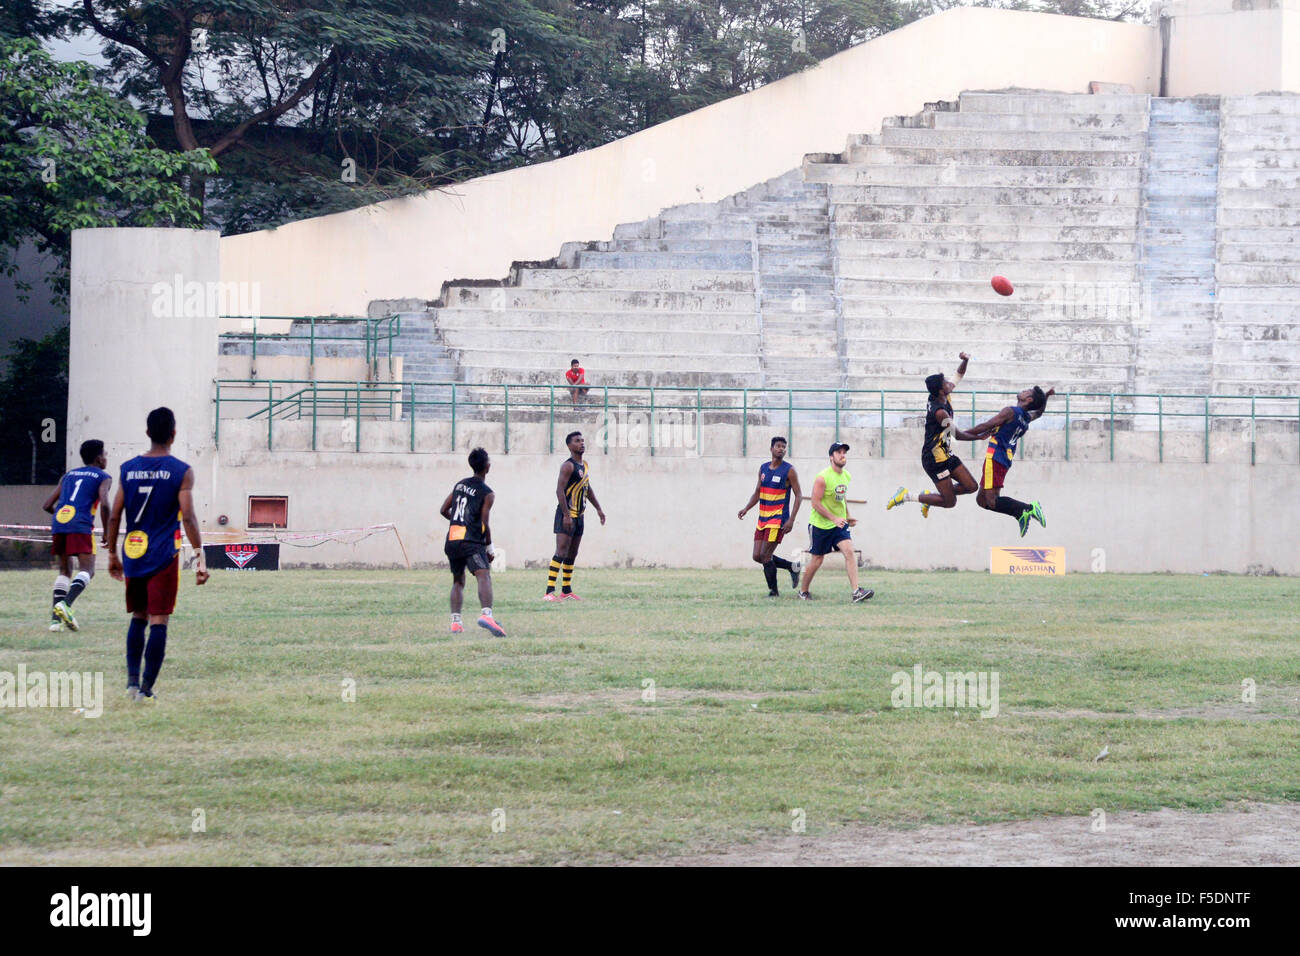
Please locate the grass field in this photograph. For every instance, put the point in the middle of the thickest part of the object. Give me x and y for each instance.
(760, 708)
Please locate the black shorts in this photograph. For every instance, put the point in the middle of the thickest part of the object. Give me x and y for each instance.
(466, 554)
(940, 471)
(559, 524)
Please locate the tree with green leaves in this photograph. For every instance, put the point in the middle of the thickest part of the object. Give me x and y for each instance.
(73, 156)
(33, 409)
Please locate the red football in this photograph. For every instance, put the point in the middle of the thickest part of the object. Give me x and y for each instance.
(1002, 285)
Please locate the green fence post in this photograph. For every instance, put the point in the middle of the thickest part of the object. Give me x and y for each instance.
(837, 414)
(357, 436)
(1252, 429)
(270, 416)
(1160, 424)
(790, 419)
(453, 416)
(744, 423)
(698, 415)
(973, 413)
(1067, 426)
(412, 416)
(882, 423)
(314, 390)
(606, 390)
(216, 428)
(255, 346)
(311, 345)
(1112, 426)
(1207, 429)
(652, 421)
(551, 425)
(507, 419)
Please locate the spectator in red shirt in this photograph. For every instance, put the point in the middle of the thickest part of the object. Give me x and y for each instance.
(576, 375)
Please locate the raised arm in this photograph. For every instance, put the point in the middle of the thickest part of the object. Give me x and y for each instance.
(961, 369)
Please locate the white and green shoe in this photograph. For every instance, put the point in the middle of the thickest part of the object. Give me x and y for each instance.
(64, 614)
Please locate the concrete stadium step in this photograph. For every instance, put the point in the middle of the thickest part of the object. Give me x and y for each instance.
(1260, 252)
(1263, 104)
(1276, 351)
(675, 280)
(1012, 139)
(984, 269)
(972, 334)
(722, 262)
(1230, 216)
(1234, 273)
(1031, 101)
(602, 363)
(1261, 142)
(994, 354)
(1006, 249)
(694, 229)
(491, 373)
(990, 213)
(721, 246)
(1026, 370)
(1098, 121)
(973, 290)
(979, 233)
(1102, 177)
(630, 342)
(1070, 197)
(993, 156)
(1257, 293)
(612, 300)
(1258, 159)
(1260, 198)
(562, 322)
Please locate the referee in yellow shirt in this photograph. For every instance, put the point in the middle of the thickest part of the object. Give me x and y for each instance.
(830, 523)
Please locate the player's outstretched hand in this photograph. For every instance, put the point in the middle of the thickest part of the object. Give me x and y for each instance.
(115, 567)
(602, 516)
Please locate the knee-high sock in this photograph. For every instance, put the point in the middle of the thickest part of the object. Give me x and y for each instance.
(1010, 506)
(782, 563)
(566, 583)
(552, 573)
(154, 652)
(769, 572)
(134, 649)
(60, 589)
(78, 585)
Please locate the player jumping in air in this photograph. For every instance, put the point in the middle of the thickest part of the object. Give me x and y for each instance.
(1004, 431)
(156, 491)
(776, 483)
(469, 541)
(945, 469)
(572, 492)
(830, 523)
(81, 493)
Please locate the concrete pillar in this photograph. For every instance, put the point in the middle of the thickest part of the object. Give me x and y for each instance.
(144, 306)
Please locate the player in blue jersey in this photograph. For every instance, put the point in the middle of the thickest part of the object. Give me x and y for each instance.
(778, 486)
(81, 492)
(156, 492)
(1004, 431)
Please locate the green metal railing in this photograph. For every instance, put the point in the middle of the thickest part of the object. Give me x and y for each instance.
(378, 333)
(616, 410)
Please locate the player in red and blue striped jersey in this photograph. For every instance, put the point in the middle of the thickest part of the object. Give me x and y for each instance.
(81, 492)
(157, 493)
(1004, 431)
(777, 495)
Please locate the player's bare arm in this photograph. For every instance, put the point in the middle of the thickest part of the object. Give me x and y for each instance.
(797, 494)
(591, 493)
(483, 515)
(105, 487)
(110, 536)
(566, 470)
(753, 499)
(191, 525)
(984, 429)
(52, 500)
(961, 369)
(445, 510)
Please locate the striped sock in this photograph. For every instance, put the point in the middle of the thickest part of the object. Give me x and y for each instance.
(552, 574)
(61, 584)
(568, 576)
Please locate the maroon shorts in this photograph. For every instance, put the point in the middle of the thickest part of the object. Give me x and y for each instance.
(70, 544)
(994, 473)
(155, 594)
(773, 533)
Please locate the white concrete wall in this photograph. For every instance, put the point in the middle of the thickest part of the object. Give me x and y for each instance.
(1233, 47)
(681, 512)
(409, 247)
(21, 504)
(130, 350)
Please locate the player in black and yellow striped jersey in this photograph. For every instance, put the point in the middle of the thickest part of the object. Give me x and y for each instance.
(951, 478)
(571, 492)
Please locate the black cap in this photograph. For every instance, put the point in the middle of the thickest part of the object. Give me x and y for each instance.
(837, 446)
(934, 382)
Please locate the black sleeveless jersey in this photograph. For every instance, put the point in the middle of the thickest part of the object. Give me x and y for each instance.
(467, 509)
(575, 492)
(935, 447)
